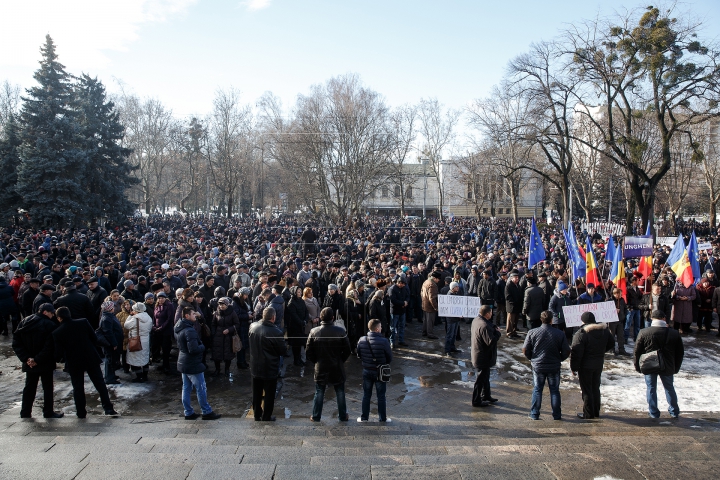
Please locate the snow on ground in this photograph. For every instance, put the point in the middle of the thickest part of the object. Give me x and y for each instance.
(697, 385)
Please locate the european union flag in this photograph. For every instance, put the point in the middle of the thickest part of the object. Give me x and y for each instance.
(537, 251)
(694, 257)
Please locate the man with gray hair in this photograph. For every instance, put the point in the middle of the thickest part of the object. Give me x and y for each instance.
(267, 346)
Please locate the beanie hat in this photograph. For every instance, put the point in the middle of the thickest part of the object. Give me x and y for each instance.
(587, 317)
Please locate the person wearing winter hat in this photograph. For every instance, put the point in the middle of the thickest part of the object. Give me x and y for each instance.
(559, 300)
(139, 323)
(113, 334)
(587, 357)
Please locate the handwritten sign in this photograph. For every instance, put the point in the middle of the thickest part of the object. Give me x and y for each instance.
(458, 306)
(705, 246)
(604, 313)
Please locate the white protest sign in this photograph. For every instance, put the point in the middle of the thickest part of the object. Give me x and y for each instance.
(669, 241)
(705, 246)
(458, 306)
(604, 313)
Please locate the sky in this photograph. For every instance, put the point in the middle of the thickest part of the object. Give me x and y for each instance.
(182, 51)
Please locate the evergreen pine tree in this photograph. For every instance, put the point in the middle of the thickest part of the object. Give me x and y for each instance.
(108, 173)
(51, 158)
(9, 162)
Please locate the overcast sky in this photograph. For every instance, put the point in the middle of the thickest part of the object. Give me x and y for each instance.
(182, 51)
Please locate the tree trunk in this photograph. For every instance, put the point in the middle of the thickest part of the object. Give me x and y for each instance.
(713, 211)
(629, 215)
(513, 200)
(565, 195)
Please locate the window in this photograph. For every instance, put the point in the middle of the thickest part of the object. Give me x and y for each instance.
(396, 192)
(408, 192)
(385, 192)
(484, 211)
(470, 191)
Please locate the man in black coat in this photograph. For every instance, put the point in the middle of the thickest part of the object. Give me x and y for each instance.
(668, 343)
(267, 345)
(328, 347)
(374, 350)
(45, 296)
(587, 357)
(513, 303)
(78, 304)
(484, 337)
(76, 342)
(33, 345)
(28, 297)
(97, 296)
(533, 303)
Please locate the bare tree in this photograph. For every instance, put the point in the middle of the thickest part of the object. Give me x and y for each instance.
(707, 136)
(9, 102)
(403, 122)
(437, 129)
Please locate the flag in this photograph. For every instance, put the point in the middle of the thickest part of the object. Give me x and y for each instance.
(617, 274)
(591, 271)
(680, 263)
(648, 231)
(645, 267)
(577, 251)
(610, 250)
(537, 251)
(694, 257)
(577, 269)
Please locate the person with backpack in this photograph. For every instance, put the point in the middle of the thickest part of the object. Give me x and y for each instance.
(374, 350)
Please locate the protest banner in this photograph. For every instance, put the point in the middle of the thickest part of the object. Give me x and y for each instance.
(458, 306)
(669, 241)
(604, 313)
(638, 247)
(705, 246)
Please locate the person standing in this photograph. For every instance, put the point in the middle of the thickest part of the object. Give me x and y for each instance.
(484, 337)
(225, 324)
(139, 323)
(267, 346)
(76, 342)
(668, 343)
(429, 299)
(546, 348)
(453, 324)
(374, 350)
(113, 333)
(328, 347)
(190, 365)
(616, 328)
(162, 330)
(33, 345)
(587, 356)
(634, 297)
(533, 303)
(500, 303)
(513, 303)
(399, 299)
(8, 308)
(682, 311)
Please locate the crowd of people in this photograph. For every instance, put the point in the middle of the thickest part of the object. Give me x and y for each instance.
(247, 293)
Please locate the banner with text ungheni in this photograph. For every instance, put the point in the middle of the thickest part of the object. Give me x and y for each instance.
(458, 306)
(604, 313)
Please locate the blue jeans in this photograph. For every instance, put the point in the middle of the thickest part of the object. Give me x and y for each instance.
(553, 380)
(197, 381)
(667, 381)
(632, 317)
(109, 364)
(450, 334)
(370, 380)
(397, 329)
(320, 398)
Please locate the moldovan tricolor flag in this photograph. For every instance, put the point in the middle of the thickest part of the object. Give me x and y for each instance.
(645, 267)
(680, 263)
(591, 271)
(617, 274)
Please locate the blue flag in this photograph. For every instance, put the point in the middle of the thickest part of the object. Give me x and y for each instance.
(610, 250)
(648, 233)
(694, 256)
(537, 251)
(574, 251)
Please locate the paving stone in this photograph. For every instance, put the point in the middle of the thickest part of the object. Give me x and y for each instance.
(102, 439)
(408, 472)
(493, 450)
(449, 459)
(45, 471)
(20, 447)
(221, 472)
(389, 450)
(135, 471)
(149, 458)
(106, 449)
(682, 470)
(280, 441)
(294, 451)
(271, 457)
(176, 441)
(590, 470)
(50, 458)
(318, 472)
(184, 449)
(517, 471)
(362, 460)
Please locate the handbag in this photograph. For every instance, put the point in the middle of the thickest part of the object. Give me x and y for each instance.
(652, 363)
(134, 343)
(206, 333)
(236, 343)
(383, 371)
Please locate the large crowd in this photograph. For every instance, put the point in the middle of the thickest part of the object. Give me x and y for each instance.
(141, 286)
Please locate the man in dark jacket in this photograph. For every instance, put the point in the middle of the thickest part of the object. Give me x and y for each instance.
(634, 297)
(8, 309)
(533, 304)
(328, 348)
(453, 324)
(587, 356)
(500, 304)
(33, 345)
(486, 289)
(112, 331)
(668, 343)
(399, 300)
(191, 366)
(45, 296)
(484, 337)
(97, 296)
(267, 346)
(546, 348)
(590, 295)
(513, 303)
(28, 297)
(76, 342)
(654, 301)
(78, 304)
(374, 350)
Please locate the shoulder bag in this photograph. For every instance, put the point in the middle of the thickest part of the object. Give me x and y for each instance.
(236, 343)
(383, 371)
(134, 344)
(652, 363)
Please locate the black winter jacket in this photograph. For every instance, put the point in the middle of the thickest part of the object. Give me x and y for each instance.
(513, 297)
(33, 339)
(112, 330)
(652, 339)
(589, 345)
(78, 304)
(328, 348)
(190, 348)
(398, 297)
(374, 349)
(267, 345)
